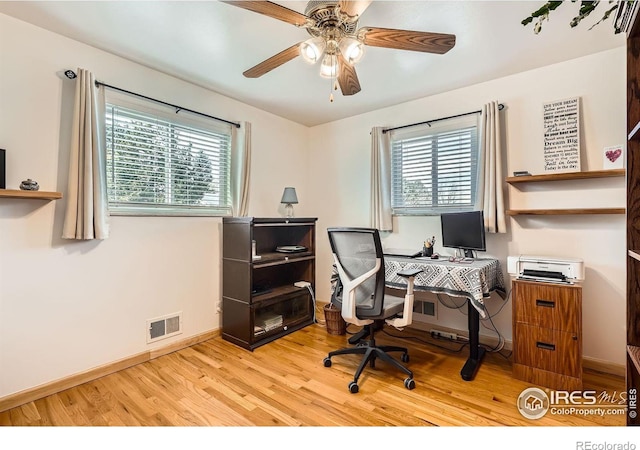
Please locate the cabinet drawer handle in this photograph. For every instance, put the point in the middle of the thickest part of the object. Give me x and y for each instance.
(546, 303)
(545, 346)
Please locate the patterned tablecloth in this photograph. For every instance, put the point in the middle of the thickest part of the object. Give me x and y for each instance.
(472, 280)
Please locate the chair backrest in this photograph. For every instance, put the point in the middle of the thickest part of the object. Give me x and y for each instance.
(356, 250)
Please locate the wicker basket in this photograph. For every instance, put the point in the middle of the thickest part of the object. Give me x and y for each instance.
(333, 319)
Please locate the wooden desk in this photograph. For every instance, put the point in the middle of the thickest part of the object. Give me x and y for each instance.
(474, 281)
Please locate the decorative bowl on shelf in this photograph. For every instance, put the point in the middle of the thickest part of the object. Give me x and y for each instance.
(29, 185)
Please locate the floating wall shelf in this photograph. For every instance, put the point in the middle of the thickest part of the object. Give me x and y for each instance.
(567, 176)
(562, 177)
(41, 195)
(558, 212)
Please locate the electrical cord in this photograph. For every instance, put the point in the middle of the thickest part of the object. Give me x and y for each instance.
(315, 306)
(455, 306)
(423, 341)
(448, 349)
(501, 340)
(460, 307)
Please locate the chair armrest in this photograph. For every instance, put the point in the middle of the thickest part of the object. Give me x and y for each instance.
(408, 273)
(407, 311)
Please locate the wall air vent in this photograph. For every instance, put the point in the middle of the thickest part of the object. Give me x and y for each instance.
(422, 309)
(164, 327)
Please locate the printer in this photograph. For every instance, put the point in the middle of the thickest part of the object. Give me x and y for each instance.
(546, 268)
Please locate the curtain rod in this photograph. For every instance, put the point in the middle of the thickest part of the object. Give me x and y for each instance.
(71, 75)
(428, 122)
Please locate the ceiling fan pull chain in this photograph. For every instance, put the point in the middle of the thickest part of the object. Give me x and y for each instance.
(334, 81)
(331, 91)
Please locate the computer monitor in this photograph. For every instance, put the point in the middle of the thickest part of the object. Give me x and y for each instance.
(463, 230)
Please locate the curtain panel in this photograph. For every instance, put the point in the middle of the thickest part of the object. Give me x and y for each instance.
(381, 213)
(491, 151)
(87, 214)
(240, 168)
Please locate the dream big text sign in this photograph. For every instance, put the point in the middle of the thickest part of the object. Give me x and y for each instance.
(562, 135)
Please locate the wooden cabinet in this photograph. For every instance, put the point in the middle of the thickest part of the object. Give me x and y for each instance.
(633, 216)
(260, 302)
(547, 334)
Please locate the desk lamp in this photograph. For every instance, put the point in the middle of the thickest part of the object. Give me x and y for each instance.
(289, 197)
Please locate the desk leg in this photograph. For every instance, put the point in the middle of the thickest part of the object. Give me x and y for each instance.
(476, 353)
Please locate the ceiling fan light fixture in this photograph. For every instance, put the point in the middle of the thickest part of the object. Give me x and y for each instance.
(352, 49)
(329, 66)
(312, 49)
(337, 40)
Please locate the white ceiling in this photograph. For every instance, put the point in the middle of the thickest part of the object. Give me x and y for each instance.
(210, 44)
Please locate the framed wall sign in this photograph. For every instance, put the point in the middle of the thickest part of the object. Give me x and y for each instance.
(562, 135)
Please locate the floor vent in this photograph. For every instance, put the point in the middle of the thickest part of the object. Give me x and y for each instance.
(164, 327)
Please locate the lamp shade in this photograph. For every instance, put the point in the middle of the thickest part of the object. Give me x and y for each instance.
(311, 50)
(289, 196)
(329, 66)
(351, 49)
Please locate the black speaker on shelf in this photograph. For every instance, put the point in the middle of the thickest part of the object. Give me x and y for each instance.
(3, 172)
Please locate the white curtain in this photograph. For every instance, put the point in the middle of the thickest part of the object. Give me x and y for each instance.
(381, 214)
(491, 150)
(240, 168)
(87, 214)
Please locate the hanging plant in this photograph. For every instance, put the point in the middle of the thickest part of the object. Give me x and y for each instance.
(586, 8)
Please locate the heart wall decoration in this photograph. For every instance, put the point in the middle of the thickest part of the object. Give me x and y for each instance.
(613, 157)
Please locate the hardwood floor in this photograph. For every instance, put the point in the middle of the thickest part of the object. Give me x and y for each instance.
(284, 383)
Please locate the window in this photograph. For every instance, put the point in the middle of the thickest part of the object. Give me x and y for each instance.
(435, 169)
(162, 163)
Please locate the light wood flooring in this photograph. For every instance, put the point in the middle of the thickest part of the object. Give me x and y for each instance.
(284, 383)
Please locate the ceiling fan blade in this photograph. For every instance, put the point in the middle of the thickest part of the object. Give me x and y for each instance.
(353, 8)
(418, 41)
(273, 10)
(347, 77)
(275, 61)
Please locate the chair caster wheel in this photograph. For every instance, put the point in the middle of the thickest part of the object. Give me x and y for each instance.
(405, 358)
(409, 383)
(327, 362)
(353, 387)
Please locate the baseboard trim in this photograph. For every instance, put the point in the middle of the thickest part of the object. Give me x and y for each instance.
(53, 387)
(599, 365)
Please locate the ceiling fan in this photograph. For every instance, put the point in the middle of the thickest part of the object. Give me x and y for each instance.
(337, 40)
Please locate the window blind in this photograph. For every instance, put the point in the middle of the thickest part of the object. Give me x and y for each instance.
(435, 169)
(162, 166)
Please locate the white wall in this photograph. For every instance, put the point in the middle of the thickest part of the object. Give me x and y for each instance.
(341, 186)
(66, 307)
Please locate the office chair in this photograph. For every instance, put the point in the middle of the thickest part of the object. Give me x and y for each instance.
(358, 257)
